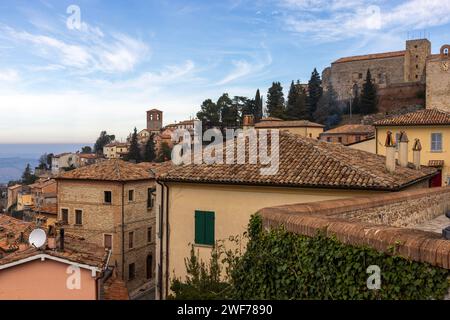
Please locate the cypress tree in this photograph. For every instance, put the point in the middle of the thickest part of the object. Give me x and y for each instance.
(134, 153)
(314, 92)
(149, 152)
(297, 108)
(259, 106)
(275, 101)
(369, 96)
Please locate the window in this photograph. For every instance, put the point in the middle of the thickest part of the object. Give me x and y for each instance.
(328, 139)
(360, 75)
(65, 216)
(204, 227)
(358, 138)
(131, 271)
(79, 217)
(108, 197)
(436, 142)
(149, 266)
(340, 139)
(149, 234)
(130, 195)
(131, 240)
(107, 241)
(150, 198)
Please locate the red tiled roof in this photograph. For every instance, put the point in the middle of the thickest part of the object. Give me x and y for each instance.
(351, 129)
(109, 170)
(157, 168)
(76, 249)
(421, 117)
(287, 124)
(306, 162)
(383, 55)
(117, 144)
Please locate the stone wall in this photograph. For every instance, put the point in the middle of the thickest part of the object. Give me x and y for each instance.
(401, 96)
(373, 221)
(438, 83)
(384, 72)
(100, 219)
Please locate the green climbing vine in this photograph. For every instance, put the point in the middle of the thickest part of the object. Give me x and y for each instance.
(282, 265)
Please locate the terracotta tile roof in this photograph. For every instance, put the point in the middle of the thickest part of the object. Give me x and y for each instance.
(421, 117)
(116, 144)
(42, 183)
(351, 129)
(270, 119)
(10, 226)
(109, 170)
(436, 163)
(88, 156)
(384, 55)
(14, 187)
(306, 162)
(76, 249)
(157, 168)
(115, 289)
(286, 124)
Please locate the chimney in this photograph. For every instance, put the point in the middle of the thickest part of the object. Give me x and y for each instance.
(390, 152)
(403, 149)
(51, 239)
(61, 239)
(416, 153)
(248, 121)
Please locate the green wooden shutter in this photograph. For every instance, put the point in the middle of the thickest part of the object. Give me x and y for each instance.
(199, 227)
(209, 228)
(204, 227)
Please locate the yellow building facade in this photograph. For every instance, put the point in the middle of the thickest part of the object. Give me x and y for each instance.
(431, 127)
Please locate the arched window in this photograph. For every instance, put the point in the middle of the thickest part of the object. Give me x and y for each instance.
(446, 51)
(149, 266)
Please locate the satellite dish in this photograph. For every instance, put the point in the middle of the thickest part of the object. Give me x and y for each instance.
(37, 238)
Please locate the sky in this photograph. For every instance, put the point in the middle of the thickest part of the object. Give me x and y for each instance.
(70, 69)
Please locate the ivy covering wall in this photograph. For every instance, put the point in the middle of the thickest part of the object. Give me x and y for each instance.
(283, 265)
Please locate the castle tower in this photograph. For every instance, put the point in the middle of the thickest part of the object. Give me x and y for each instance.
(154, 120)
(417, 52)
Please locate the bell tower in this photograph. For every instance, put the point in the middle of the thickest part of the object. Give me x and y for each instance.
(154, 120)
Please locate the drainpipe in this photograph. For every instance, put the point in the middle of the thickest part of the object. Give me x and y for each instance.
(167, 240)
(160, 236)
(390, 152)
(416, 153)
(123, 232)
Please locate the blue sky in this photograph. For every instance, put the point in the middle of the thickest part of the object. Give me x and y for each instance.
(65, 83)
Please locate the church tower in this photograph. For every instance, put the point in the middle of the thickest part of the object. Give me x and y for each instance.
(154, 120)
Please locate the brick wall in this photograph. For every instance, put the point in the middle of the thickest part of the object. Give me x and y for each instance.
(376, 221)
(100, 219)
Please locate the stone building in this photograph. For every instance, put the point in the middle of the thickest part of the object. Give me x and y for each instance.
(438, 80)
(111, 204)
(404, 75)
(154, 121)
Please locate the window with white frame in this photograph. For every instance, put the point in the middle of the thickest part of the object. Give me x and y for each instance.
(436, 142)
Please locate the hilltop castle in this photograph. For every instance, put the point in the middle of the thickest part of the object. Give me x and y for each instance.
(408, 76)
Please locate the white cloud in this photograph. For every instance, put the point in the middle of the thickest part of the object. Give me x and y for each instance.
(243, 68)
(339, 19)
(88, 51)
(9, 75)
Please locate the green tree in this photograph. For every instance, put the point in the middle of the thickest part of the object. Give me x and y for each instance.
(296, 107)
(43, 162)
(209, 114)
(134, 153)
(275, 101)
(102, 141)
(314, 92)
(86, 149)
(258, 106)
(229, 110)
(28, 176)
(149, 152)
(369, 96)
(328, 110)
(165, 152)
